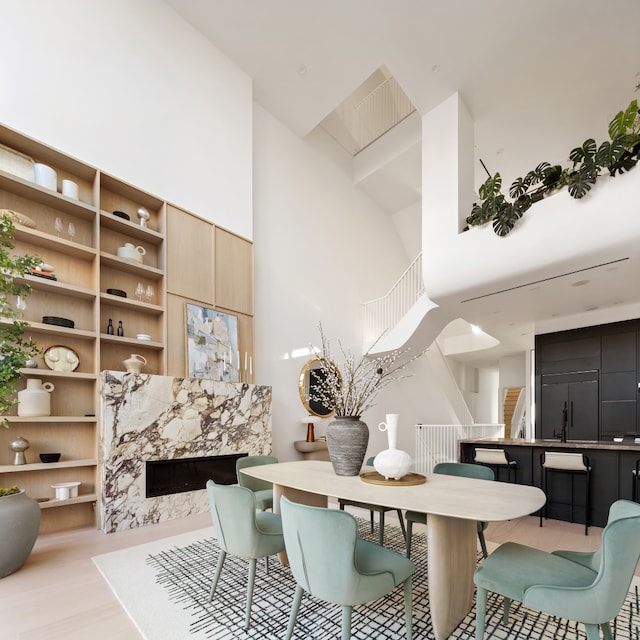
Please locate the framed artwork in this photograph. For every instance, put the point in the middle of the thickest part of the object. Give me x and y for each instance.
(212, 344)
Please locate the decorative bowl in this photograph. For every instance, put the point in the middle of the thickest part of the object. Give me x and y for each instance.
(117, 292)
(49, 457)
(60, 322)
(122, 214)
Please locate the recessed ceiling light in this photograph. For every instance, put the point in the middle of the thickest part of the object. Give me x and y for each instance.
(435, 68)
(302, 70)
(580, 283)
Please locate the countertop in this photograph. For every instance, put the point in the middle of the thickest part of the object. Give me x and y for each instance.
(627, 444)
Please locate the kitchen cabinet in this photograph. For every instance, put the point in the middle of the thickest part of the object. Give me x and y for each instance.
(571, 399)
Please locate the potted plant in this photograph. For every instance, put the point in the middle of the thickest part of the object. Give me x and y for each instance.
(19, 514)
(15, 347)
(350, 388)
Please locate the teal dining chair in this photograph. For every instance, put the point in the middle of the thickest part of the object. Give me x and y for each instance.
(330, 562)
(377, 508)
(588, 588)
(462, 469)
(262, 489)
(242, 531)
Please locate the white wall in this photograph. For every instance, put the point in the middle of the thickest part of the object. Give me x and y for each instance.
(129, 87)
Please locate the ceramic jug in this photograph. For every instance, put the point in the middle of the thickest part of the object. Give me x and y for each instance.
(133, 364)
(35, 399)
(392, 463)
(129, 252)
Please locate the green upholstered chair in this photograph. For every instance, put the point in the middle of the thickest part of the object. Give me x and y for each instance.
(452, 469)
(330, 562)
(374, 508)
(242, 531)
(262, 489)
(585, 587)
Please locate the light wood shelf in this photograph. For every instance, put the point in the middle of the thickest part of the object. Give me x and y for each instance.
(140, 344)
(52, 503)
(43, 419)
(47, 466)
(50, 373)
(47, 241)
(142, 270)
(130, 228)
(141, 307)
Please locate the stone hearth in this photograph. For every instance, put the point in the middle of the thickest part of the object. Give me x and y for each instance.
(147, 417)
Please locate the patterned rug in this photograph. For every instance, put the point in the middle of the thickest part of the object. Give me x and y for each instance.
(184, 572)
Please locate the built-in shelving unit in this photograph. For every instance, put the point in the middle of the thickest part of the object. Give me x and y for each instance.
(216, 271)
(86, 263)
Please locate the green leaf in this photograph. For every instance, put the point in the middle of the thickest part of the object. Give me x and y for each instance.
(623, 120)
(580, 183)
(585, 153)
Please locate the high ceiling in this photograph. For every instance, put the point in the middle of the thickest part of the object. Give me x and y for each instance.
(537, 77)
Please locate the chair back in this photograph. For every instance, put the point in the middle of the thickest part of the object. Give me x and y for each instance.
(490, 456)
(233, 510)
(244, 480)
(618, 557)
(615, 563)
(464, 470)
(321, 547)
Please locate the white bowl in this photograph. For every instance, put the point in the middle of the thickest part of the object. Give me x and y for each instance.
(143, 336)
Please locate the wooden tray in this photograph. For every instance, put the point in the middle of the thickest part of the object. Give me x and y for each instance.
(373, 477)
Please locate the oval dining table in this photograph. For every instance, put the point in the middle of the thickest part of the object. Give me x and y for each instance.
(453, 506)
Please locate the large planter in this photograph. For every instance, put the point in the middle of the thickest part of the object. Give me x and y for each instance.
(347, 439)
(19, 525)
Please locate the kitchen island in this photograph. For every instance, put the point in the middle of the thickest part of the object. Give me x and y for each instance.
(612, 465)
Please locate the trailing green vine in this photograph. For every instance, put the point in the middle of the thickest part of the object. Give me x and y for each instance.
(619, 154)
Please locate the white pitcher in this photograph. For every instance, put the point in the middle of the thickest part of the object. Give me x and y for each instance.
(35, 399)
(133, 364)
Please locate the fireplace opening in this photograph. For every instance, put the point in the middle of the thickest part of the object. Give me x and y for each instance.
(165, 477)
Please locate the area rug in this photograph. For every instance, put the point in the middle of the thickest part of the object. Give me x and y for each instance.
(164, 587)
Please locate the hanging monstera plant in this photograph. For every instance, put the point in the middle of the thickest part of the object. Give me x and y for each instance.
(617, 155)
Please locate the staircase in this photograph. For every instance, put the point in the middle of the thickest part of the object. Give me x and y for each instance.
(513, 406)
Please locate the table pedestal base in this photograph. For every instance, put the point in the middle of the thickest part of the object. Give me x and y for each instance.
(452, 556)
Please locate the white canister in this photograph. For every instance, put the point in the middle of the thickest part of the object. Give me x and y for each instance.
(35, 400)
(70, 189)
(45, 176)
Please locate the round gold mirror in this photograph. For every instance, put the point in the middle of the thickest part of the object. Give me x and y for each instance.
(60, 358)
(311, 382)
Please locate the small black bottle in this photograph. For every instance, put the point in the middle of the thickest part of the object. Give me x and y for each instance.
(120, 329)
(110, 327)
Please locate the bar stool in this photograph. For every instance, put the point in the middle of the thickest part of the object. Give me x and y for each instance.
(573, 464)
(496, 459)
(636, 476)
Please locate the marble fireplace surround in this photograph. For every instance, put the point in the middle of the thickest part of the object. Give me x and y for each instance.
(148, 417)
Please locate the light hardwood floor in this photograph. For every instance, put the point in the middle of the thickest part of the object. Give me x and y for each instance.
(59, 594)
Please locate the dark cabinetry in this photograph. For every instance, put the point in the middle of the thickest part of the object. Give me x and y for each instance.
(589, 377)
(570, 401)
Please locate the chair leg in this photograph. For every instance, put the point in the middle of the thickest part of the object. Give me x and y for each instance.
(505, 611)
(593, 631)
(346, 622)
(216, 576)
(483, 544)
(371, 520)
(250, 581)
(606, 631)
(481, 610)
(381, 531)
(401, 518)
(408, 537)
(295, 606)
(408, 608)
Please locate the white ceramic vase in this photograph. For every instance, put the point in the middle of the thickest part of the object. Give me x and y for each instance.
(392, 463)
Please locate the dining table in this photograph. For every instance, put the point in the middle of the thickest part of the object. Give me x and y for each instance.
(453, 506)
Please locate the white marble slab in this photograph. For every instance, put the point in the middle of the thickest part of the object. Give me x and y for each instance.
(148, 417)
